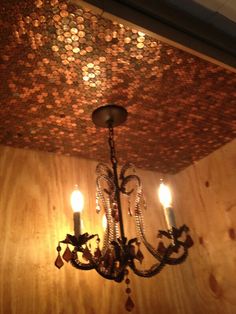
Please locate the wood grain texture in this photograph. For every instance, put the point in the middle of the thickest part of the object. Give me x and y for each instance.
(205, 199)
(34, 214)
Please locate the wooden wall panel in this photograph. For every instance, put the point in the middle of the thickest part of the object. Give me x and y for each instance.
(205, 199)
(35, 214)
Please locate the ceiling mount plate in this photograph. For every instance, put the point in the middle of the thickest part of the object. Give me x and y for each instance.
(110, 115)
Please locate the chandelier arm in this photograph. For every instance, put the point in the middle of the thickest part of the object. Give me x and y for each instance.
(103, 169)
(107, 201)
(177, 260)
(109, 182)
(152, 271)
(158, 256)
(105, 174)
(126, 180)
(96, 264)
(139, 221)
(150, 248)
(169, 260)
(83, 266)
(126, 167)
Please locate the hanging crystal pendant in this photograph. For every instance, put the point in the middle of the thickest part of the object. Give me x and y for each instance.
(189, 241)
(139, 255)
(67, 255)
(161, 248)
(87, 254)
(97, 253)
(59, 262)
(129, 305)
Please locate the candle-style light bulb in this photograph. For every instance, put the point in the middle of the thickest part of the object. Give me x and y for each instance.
(77, 204)
(165, 198)
(77, 200)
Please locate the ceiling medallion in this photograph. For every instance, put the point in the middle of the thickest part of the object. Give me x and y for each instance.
(118, 254)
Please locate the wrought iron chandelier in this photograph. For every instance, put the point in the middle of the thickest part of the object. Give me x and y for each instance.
(118, 254)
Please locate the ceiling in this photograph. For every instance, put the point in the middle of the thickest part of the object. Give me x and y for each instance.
(58, 62)
(226, 8)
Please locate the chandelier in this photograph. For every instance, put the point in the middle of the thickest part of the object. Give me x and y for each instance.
(113, 259)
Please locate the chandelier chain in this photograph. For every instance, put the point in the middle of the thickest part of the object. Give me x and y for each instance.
(112, 146)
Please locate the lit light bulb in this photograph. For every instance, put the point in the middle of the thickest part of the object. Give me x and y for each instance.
(77, 201)
(166, 201)
(104, 222)
(164, 194)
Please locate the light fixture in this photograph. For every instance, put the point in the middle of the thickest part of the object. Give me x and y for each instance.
(119, 253)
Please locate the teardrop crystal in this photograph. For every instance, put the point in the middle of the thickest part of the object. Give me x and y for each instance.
(97, 253)
(139, 256)
(132, 251)
(189, 241)
(67, 255)
(87, 254)
(161, 248)
(129, 305)
(59, 262)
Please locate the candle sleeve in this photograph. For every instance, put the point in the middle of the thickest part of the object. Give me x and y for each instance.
(77, 224)
(170, 217)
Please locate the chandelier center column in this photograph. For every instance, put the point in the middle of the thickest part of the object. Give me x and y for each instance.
(116, 180)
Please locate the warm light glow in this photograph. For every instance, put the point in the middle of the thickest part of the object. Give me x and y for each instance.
(82, 225)
(165, 195)
(77, 200)
(104, 222)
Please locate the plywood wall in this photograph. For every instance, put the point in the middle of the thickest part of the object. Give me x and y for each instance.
(206, 200)
(35, 214)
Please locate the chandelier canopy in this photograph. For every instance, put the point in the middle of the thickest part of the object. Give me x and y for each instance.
(113, 259)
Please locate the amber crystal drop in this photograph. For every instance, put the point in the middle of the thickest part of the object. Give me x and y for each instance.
(87, 254)
(161, 248)
(59, 262)
(67, 255)
(139, 256)
(132, 251)
(97, 253)
(189, 241)
(129, 305)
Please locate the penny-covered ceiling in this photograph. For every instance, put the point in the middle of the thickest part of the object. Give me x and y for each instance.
(58, 62)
